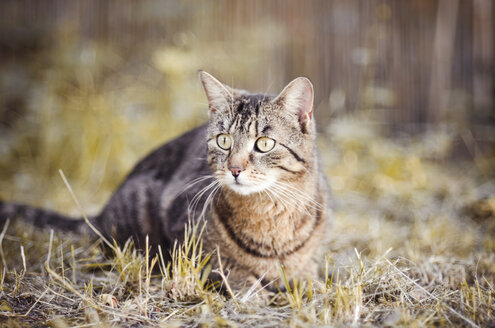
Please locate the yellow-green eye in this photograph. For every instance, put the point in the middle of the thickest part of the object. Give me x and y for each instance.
(265, 144)
(224, 141)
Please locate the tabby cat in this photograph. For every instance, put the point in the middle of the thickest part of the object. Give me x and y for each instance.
(256, 181)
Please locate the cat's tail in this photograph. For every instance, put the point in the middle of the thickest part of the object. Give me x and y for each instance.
(39, 217)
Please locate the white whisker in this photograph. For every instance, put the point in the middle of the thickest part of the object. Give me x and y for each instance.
(300, 193)
(209, 200)
(268, 194)
(292, 198)
(193, 182)
(195, 201)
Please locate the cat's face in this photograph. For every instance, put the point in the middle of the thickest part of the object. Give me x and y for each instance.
(257, 142)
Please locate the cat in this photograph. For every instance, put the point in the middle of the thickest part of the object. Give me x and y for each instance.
(252, 172)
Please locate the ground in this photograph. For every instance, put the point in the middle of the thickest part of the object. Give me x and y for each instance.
(412, 244)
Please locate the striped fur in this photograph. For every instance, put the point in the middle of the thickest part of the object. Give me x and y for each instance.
(273, 213)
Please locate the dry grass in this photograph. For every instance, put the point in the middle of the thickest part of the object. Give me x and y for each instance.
(404, 251)
(412, 242)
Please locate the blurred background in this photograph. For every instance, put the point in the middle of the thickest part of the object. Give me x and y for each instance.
(90, 87)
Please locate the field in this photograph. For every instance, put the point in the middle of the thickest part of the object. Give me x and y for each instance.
(412, 245)
(413, 237)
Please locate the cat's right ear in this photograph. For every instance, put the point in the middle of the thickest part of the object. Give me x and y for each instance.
(220, 97)
(297, 98)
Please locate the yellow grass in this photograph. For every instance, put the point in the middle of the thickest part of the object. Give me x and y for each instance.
(412, 242)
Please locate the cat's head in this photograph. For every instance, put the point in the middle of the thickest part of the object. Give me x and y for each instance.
(258, 141)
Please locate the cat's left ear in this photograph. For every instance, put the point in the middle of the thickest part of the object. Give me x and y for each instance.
(297, 98)
(220, 96)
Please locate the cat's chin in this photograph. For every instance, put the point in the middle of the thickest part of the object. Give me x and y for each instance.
(245, 190)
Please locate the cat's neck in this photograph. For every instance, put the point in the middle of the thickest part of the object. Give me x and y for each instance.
(259, 219)
(286, 202)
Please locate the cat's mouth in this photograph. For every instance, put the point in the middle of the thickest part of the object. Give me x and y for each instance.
(245, 186)
(244, 189)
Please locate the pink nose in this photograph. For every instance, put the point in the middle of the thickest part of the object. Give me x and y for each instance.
(235, 170)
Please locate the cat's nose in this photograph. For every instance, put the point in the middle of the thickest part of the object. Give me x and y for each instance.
(235, 170)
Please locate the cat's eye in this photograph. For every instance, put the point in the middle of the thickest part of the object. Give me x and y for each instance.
(224, 141)
(265, 144)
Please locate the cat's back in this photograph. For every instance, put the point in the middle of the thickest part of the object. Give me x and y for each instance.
(163, 162)
(156, 196)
